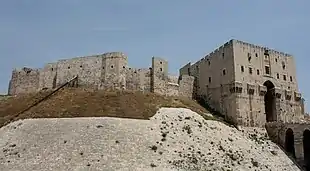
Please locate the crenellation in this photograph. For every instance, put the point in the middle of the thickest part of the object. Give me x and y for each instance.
(108, 71)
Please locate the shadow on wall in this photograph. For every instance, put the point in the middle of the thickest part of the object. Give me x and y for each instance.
(306, 147)
(214, 112)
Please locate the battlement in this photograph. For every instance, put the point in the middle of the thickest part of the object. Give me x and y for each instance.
(107, 71)
(25, 70)
(262, 48)
(114, 55)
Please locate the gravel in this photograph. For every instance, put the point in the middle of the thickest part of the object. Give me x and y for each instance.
(173, 139)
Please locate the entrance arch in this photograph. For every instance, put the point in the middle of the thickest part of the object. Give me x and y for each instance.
(270, 102)
(306, 144)
(289, 142)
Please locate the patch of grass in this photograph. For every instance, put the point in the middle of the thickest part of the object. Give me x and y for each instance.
(78, 102)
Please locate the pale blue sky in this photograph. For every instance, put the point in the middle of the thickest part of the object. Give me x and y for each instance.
(34, 32)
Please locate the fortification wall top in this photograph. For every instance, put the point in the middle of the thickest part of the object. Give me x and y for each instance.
(114, 55)
(270, 50)
(25, 70)
(217, 50)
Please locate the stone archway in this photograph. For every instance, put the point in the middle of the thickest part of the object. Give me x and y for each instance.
(306, 146)
(289, 142)
(270, 103)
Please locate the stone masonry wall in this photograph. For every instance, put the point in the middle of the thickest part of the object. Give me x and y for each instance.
(114, 65)
(231, 79)
(277, 133)
(254, 65)
(186, 86)
(107, 71)
(159, 75)
(24, 80)
(88, 70)
(48, 76)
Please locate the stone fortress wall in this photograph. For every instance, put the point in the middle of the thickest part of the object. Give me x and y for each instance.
(107, 71)
(234, 79)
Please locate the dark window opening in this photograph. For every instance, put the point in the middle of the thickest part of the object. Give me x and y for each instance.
(289, 142)
(283, 66)
(257, 71)
(161, 62)
(278, 76)
(291, 78)
(80, 66)
(266, 53)
(161, 69)
(256, 55)
(209, 63)
(224, 72)
(250, 70)
(123, 66)
(284, 77)
(249, 56)
(102, 67)
(276, 60)
(242, 69)
(112, 66)
(68, 67)
(269, 102)
(267, 70)
(52, 69)
(223, 55)
(306, 147)
(210, 80)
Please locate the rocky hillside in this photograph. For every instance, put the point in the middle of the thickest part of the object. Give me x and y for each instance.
(173, 139)
(83, 129)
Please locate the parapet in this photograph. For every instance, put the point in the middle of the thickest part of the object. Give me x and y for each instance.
(273, 51)
(114, 55)
(25, 70)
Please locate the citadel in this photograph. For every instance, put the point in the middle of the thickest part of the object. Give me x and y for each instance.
(250, 85)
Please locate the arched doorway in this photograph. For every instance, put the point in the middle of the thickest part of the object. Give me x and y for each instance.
(306, 144)
(289, 142)
(270, 102)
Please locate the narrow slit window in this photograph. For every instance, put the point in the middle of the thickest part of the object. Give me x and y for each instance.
(267, 70)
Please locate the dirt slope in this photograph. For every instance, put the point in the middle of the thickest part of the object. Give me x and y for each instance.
(76, 102)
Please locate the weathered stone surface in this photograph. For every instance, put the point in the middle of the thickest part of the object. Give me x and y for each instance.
(278, 132)
(232, 79)
(24, 80)
(177, 139)
(108, 71)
